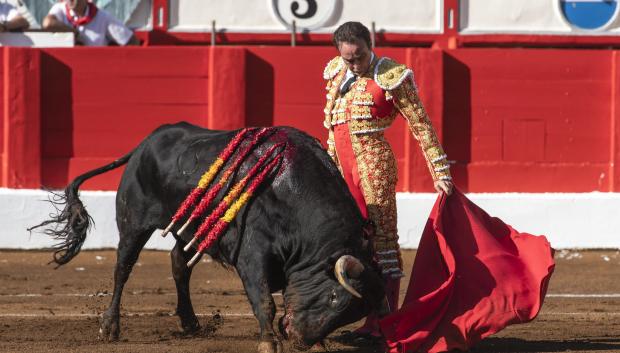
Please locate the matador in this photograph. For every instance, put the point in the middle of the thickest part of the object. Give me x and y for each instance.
(360, 106)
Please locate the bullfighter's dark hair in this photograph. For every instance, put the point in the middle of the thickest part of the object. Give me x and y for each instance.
(351, 32)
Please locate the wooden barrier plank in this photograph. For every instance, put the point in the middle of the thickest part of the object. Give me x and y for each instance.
(227, 88)
(537, 177)
(2, 105)
(156, 90)
(21, 118)
(101, 62)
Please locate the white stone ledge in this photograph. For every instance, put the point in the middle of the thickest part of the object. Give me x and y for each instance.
(569, 220)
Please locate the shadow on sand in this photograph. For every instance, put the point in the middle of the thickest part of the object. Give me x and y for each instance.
(516, 345)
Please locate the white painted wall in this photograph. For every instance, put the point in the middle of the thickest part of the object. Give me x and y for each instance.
(589, 220)
(142, 17)
(519, 16)
(20, 209)
(37, 39)
(260, 15)
(568, 220)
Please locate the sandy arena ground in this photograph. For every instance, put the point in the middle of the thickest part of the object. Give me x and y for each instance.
(47, 310)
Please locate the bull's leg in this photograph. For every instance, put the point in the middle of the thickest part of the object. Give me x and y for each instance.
(181, 274)
(129, 248)
(259, 295)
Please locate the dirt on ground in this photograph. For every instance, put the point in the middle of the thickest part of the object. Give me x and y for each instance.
(48, 310)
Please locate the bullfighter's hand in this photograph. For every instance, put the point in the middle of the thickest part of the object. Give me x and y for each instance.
(444, 186)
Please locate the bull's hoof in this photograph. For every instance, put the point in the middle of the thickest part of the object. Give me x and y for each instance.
(190, 328)
(109, 329)
(270, 347)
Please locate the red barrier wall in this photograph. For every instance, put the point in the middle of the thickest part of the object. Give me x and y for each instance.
(511, 119)
(21, 157)
(2, 99)
(530, 120)
(99, 103)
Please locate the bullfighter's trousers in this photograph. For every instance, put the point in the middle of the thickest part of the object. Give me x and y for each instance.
(383, 214)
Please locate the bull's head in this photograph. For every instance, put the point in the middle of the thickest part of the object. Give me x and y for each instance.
(322, 301)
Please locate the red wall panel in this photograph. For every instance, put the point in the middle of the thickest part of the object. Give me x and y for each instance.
(99, 103)
(539, 119)
(21, 158)
(2, 104)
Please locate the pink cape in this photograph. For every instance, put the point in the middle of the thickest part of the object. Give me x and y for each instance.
(473, 275)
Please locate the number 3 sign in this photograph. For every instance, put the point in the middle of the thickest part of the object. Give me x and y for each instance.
(307, 14)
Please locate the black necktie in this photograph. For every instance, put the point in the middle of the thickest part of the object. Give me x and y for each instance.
(347, 85)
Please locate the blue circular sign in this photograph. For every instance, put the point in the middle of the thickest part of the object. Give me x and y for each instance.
(589, 14)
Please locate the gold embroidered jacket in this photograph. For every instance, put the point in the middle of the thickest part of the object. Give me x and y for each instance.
(373, 103)
(369, 107)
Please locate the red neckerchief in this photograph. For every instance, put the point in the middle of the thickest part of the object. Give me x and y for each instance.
(84, 20)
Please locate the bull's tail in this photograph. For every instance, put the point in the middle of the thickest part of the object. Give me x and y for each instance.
(71, 224)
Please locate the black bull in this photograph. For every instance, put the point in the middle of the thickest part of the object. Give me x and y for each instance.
(289, 237)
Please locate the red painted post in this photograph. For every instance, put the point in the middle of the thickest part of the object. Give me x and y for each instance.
(227, 86)
(614, 151)
(160, 15)
(21, 162)
(451, 23)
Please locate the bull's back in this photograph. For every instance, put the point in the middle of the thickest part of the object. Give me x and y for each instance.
(169, 163)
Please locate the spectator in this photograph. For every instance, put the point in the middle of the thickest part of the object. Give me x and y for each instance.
(11, 20)
(92, 26)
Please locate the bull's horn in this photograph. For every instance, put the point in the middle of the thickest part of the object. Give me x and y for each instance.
(348, 266)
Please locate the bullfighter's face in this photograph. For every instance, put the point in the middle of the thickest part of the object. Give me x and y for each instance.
(356, 56)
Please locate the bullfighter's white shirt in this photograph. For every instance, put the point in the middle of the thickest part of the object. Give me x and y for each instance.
(98, 32)
(7, 12)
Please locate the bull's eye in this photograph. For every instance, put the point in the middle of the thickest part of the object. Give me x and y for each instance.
(333, 298)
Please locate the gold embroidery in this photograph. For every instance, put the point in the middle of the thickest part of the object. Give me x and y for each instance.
(333, 103)
(390, 74)
(332, 68)
(360, 112)
(378, 173)
(408, 103)
(360, 84)
(331, 147)
(372, 125)
(363, 98)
